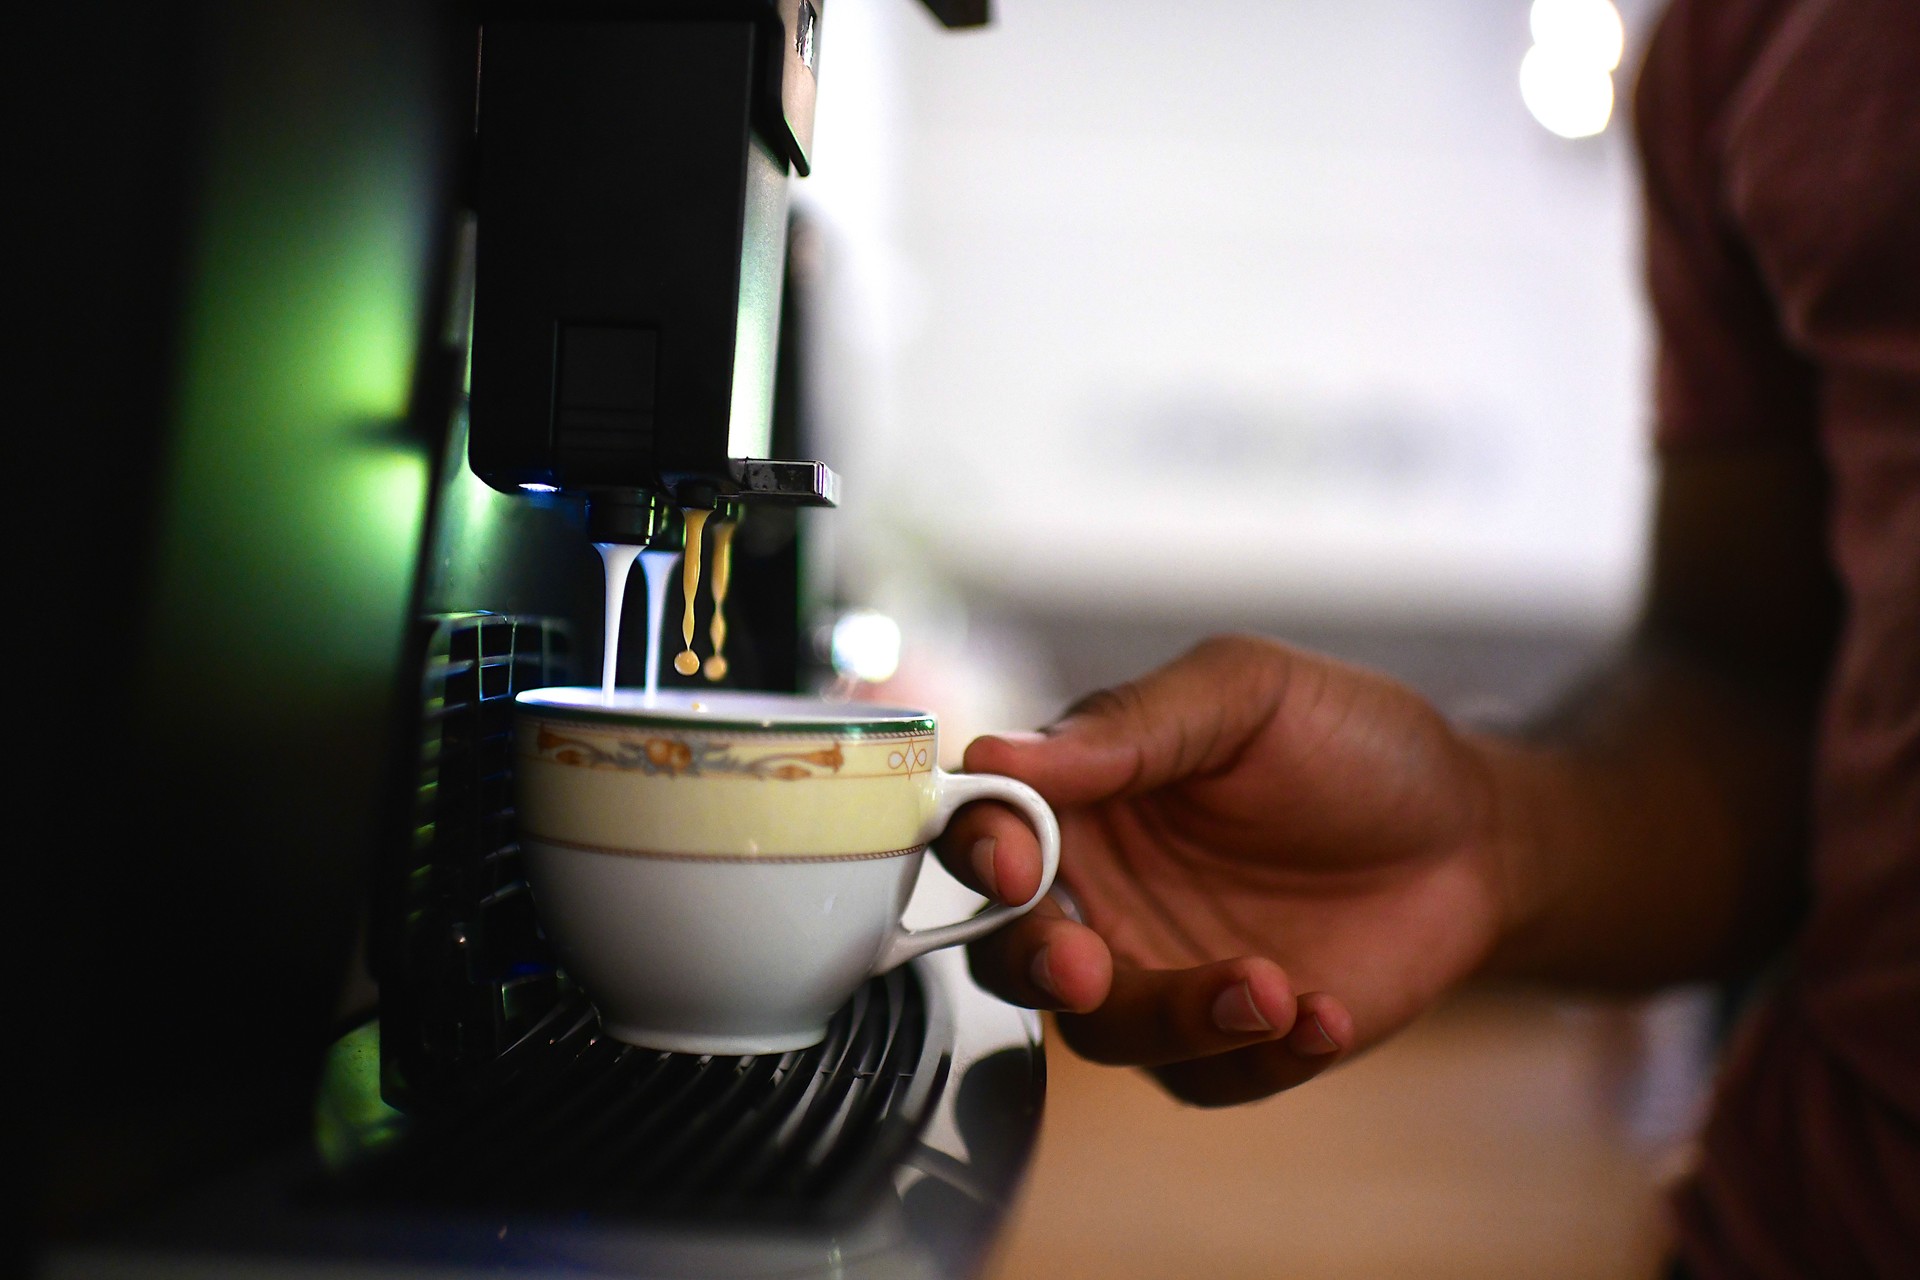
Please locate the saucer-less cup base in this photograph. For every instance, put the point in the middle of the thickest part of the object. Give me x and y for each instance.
(716, 974)
(720, 872)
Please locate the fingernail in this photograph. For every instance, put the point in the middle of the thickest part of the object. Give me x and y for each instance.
(1024, 738)
(1041, 975)
(982, 855)
(1234, 1010)
(1310, 1039)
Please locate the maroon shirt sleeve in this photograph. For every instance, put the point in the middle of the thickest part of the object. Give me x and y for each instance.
(1781, 143)
(1723, 369)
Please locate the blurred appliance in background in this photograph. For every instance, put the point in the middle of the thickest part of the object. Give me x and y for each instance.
(268, 228)
(1397, 316)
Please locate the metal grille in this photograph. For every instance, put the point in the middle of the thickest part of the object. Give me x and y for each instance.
(465, 971)
(570, 1119)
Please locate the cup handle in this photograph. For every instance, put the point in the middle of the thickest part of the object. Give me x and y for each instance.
(951, 791)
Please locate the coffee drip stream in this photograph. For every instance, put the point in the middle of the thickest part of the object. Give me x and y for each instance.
(657, 564)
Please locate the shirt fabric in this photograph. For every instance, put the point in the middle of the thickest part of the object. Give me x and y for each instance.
(1780, 141)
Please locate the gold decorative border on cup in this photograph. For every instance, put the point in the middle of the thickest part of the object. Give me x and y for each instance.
(777, 756)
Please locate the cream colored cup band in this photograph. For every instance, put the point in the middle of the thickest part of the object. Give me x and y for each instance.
(658, 856)
(781, 757)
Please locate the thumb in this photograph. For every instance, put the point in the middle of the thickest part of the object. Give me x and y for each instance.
(1189, 717)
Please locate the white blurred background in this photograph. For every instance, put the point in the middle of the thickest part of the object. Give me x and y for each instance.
(1141, 321)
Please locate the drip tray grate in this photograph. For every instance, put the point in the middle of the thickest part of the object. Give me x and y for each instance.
(569, 1119)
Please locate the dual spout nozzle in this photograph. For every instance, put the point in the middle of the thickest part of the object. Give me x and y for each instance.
(646, 516)
(639, 517)
(645, 521)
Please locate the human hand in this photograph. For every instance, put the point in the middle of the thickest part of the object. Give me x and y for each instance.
(1278, 859)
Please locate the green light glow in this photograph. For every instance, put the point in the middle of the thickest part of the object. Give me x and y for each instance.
(351, 1120)
(299, 494)
(373, 324)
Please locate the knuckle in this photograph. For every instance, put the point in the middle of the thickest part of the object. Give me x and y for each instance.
(1235, 649)
(1127, 710)
(1118, 702)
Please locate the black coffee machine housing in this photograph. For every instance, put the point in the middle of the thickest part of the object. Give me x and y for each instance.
(627, 248)
(632, 197)
(256, 209)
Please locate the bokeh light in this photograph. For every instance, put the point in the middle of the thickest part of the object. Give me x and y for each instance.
(1587, 30)
(1566, 78)
(866, 646)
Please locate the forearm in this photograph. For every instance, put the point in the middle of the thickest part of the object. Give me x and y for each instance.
(1657, 831)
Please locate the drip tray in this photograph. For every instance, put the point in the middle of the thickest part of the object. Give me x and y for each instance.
(568, 1119)
(891, 1150)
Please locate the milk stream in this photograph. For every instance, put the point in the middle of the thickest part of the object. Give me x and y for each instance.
(617, 559)
(657, 566)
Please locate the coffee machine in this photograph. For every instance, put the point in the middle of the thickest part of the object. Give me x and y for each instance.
(329, 537)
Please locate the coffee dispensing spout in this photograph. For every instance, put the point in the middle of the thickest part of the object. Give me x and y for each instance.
(651, 518)
(631, 516)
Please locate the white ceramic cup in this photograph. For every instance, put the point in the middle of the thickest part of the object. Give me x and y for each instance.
(720, 871)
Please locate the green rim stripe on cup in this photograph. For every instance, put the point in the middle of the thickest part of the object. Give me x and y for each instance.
(628, 720)
(899, 724)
